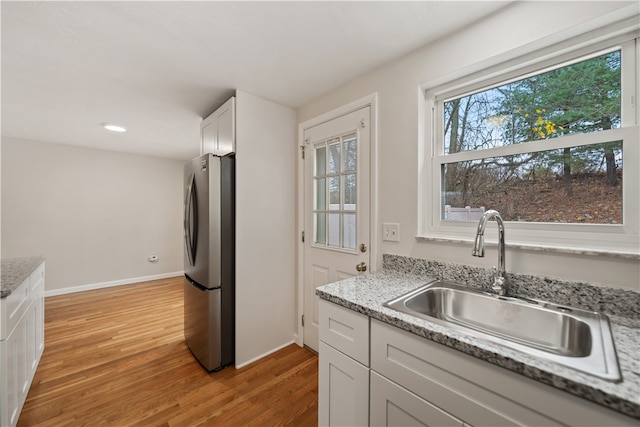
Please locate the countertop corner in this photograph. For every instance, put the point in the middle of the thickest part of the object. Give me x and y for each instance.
(13, 271)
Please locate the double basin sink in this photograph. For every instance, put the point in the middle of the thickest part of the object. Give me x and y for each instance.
(578, 339)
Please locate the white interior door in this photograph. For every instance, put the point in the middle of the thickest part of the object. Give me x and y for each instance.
(336, 207)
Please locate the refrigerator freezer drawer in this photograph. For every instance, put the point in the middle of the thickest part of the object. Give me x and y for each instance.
(202, 325)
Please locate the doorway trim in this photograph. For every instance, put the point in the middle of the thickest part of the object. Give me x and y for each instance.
(370, 101)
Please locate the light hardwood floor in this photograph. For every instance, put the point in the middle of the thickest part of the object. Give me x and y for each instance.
(117, 357)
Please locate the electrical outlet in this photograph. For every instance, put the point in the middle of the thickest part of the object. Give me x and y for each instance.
(391, 232)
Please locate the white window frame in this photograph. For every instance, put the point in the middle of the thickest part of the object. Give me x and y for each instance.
(617, 238)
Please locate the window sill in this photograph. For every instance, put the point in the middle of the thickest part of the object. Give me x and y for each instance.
(539, 248)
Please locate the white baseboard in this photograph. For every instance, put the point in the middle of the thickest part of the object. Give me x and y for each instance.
(101, 285)
(243, 364)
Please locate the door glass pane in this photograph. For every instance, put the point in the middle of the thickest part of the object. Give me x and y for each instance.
(334, 157)
(334, 229)
(349, 154)
(349, 231)
(320, 229)
(320, 200)
(349, 189)
(334, 193)
(321, 160)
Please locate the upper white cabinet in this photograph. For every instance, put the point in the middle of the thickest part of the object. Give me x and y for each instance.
(218, 131)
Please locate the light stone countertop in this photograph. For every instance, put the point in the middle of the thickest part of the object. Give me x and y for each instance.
(367, 293)
(14, 271)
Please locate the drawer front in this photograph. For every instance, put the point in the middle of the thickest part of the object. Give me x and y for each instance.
(13, 307)
(345, 330)
(437, 374)
(36, 281)
(392, 405)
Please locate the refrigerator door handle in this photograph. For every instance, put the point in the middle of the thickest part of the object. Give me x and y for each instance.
(191, 221)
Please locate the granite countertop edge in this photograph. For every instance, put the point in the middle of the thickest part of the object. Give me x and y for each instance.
(14, 271)
(366, 294)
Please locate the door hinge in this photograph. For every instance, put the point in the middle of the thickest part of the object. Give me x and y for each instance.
(302, 151)
(303, 320)
(303, 237)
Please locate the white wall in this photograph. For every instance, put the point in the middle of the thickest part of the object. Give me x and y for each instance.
(265, 227)
(95, 215)
(518, 29)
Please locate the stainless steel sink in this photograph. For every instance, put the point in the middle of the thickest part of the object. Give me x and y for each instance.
(576, 338)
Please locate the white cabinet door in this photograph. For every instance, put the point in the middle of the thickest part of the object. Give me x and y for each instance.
(39, 327)
(392, 405)
(31, 360)
(15, 376)
(343, 383)
(10, 397)
(226, 128)
(218, 131)
(209, 135)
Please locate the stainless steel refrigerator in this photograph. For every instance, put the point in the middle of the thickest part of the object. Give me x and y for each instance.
(209, 260)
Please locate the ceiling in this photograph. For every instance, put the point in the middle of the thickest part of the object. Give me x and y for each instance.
(158, 68)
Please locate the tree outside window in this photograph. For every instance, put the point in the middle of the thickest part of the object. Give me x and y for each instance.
(539, 183)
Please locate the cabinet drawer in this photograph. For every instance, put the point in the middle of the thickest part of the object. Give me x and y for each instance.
(392, 405)
(36, 282)
(345, 330)
(13, 307)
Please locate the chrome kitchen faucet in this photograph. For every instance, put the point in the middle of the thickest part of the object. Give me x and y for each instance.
(499, 279)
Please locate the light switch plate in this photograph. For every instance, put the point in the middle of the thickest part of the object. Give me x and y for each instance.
(391, 232)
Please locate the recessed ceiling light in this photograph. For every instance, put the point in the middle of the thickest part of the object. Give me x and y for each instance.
(113, 128)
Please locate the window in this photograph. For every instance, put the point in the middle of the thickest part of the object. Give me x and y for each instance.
(334, 207)
(553, 147)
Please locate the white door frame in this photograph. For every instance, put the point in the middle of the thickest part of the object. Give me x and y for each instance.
(372, 102)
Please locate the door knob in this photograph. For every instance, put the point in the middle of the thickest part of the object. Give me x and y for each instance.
(361, 267)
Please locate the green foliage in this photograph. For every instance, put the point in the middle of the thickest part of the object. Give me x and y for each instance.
(577, 98)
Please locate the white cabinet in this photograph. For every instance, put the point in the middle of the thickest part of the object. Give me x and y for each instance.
(413, 381)
(36, 333)
(392, 405)
(218, 131)
(343, 399)
(343, 373)
(21, 344)
(476, 392)
(14, 360)
(345, 330)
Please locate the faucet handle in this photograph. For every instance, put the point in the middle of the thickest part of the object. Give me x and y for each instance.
(499, 286)
(499, 282)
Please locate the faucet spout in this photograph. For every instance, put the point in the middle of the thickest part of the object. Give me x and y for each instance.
(500, 281)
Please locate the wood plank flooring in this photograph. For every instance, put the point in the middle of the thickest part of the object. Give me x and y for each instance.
(117, 357)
